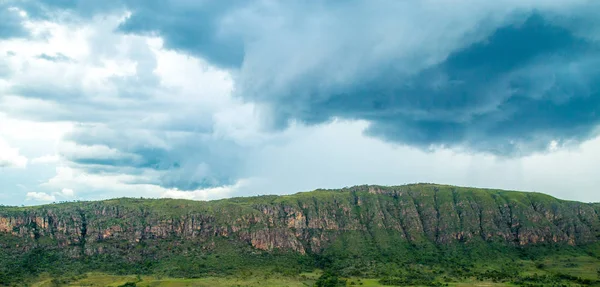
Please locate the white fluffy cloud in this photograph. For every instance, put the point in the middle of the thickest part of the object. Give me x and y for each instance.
(133, 108)
(46, 159)
(66, 193)
(108, 185)
(206, 193)
(10, 157)
(40, 197)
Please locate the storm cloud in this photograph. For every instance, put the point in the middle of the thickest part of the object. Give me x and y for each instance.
(506, 78)
(191, 95)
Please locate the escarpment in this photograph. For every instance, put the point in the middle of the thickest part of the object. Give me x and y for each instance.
(305, 222)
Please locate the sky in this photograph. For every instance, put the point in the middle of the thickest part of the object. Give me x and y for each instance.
(213, 99)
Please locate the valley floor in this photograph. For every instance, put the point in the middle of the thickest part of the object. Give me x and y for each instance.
(97, 279)
(556, 270)
(583, 267)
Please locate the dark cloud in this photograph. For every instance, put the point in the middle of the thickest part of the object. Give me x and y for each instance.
(511, 91)
(506, 78)
(190, 26)
(186, 25)
(521, 88)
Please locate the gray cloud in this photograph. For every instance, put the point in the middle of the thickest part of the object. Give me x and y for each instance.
(506, 78)
(190, 26)
(424, 73)
(511, 92)
(524, 87)
(55, 58)
(182, 160)
(130, 119)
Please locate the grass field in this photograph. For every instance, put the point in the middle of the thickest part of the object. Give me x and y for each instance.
(95, 279)
(585, 267)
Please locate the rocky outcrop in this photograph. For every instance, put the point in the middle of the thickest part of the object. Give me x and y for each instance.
(310, 222)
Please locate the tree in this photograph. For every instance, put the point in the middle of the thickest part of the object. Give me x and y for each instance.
(329, 279)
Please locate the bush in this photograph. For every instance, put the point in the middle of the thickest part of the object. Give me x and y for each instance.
(329, 279)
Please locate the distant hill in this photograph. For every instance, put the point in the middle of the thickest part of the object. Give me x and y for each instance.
(356, 230)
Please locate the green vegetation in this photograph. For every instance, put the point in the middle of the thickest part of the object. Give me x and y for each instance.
(517, 272)
(329, 279)
(508, 274)
(414, 235)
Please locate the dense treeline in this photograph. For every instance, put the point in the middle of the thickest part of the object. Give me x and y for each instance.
(434, 266)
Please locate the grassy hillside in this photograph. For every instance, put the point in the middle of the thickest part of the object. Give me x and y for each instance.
(422, 234)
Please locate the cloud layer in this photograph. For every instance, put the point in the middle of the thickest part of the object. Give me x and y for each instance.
(205, 99)
(505, 77)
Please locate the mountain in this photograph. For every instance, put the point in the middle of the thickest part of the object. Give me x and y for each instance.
(357, 230)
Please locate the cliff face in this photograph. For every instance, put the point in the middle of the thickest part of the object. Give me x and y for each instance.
(306, 222)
